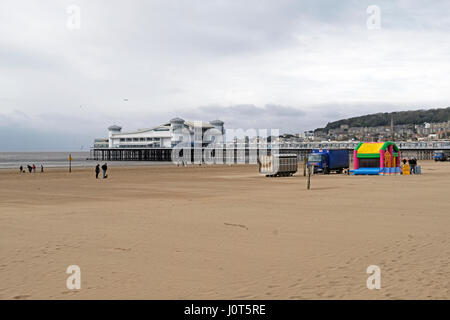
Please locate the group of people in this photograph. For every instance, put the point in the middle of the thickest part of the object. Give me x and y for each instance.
(104, 169)
(412, 162)
(97, 169)
(31, 168)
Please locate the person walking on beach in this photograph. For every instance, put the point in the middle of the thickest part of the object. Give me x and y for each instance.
(21, 169)
(97, 171)
(34, 168)
(413, 165)
(104, 168)
(30, 168)
(42, 168)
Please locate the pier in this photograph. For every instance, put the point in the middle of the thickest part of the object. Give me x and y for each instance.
(241, 153)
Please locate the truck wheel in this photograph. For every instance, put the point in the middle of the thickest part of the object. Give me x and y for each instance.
(326, 171)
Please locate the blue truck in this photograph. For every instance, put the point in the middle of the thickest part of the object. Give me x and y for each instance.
(326, 160)
(441, 155)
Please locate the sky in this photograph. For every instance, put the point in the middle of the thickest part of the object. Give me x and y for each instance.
(70, 69)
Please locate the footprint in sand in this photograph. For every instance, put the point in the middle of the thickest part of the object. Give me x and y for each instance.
(121, 249)
(69, 292)
(236, 225)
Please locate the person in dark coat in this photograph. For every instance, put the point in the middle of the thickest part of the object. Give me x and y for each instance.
(30, 168)
(21, 169)
(97, 171)
(413, 165)
(410, 165)
(104, 168)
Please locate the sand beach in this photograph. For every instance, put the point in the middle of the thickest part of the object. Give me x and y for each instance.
(223, 232)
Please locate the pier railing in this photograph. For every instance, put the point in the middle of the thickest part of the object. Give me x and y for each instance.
(248, 152)
(423, 145)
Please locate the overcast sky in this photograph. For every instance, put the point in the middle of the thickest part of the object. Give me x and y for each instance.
(287, 64)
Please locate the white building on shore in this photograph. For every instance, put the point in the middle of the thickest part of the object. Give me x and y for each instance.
(166, 135)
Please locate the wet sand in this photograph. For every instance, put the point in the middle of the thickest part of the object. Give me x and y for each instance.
(221, 232)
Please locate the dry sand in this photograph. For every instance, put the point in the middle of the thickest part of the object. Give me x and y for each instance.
(224, 232)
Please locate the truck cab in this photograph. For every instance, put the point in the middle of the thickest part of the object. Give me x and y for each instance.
(318, 160)
(439, 155)
(327, 160)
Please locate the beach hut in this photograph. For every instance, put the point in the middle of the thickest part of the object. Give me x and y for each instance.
(376, 158)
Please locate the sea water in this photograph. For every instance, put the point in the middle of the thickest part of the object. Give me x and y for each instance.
(12, 160)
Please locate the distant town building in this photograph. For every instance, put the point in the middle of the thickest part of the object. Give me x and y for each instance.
(405, 132)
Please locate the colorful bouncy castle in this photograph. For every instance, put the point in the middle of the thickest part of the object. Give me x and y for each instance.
(376, 158)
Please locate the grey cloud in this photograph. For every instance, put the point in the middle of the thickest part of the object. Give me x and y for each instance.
(47, 132)
(18, 58)
(288, 64)
(19, 138)
(252, 110)
(245, 116)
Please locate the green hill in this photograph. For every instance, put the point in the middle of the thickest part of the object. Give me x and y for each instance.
(401, 117)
